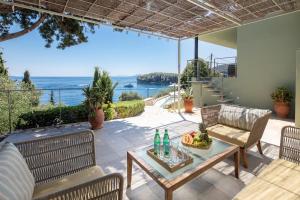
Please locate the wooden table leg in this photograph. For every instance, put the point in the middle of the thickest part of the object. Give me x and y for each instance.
(237, 164)
(168, 195)
(129, 170)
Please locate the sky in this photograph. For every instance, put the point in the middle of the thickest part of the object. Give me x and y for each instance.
(118, 53)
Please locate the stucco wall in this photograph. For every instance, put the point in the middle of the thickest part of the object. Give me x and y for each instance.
(297, 117)
(266, 60)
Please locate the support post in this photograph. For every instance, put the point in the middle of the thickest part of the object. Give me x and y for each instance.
(60, 103)
(179, 71)
(196, 67)
(9, 110)
(210, 63)
(297, 91)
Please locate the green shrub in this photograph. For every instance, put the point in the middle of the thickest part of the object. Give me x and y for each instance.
(282, 94)
(109, 111)
(129, 108)
(49, 115)
(129, 96)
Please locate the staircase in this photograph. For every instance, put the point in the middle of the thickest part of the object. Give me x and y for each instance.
(216, 89)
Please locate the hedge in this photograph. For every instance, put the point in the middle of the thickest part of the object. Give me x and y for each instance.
(130, 96)
(129, 108)
(74, 114)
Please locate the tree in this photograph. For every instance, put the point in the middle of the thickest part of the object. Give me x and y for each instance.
(26, 78)
(28, 85)
(67, 32)
(3, 70)
(52, 101)
(108, 84)
(190, 72)
(13, 103)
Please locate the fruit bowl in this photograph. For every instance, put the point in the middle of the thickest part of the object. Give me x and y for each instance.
(196, 139)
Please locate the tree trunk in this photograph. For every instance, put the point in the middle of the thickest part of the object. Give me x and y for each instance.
(24, 31)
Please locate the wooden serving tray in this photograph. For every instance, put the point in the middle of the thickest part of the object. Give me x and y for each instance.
(171, 168)
(196, 146)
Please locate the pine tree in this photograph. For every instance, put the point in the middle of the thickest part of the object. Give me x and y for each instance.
(52, 101)
(26, 78)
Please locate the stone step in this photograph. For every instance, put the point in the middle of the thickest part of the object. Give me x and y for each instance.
(204, 82)
(225, 100)
(214, 90)
(208, 86)
(218, 95)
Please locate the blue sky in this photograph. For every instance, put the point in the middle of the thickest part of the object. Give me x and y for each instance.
(118, 53)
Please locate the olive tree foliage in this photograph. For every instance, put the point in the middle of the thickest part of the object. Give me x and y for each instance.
(190, 71)
(65, 32)
(15, 102)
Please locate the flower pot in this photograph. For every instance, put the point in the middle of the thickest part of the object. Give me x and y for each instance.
(97, 120)
(188, 105)
(282, 109)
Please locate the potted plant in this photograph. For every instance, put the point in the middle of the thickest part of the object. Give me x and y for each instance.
(188, 100)
(95, 96)
(282, 98)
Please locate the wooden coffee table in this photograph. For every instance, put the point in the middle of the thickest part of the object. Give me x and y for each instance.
(202, 161)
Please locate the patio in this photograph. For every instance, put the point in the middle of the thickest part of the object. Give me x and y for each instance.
(119, 136)
(179, 20)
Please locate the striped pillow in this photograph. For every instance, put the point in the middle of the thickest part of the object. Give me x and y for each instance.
(240, 117)
(16, 180)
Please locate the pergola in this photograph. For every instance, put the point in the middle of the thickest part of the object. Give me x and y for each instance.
(167, 18)
(173, 19)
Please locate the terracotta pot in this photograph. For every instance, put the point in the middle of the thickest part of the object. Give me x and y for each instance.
(97, 121)
(282, 109)
(188, 105)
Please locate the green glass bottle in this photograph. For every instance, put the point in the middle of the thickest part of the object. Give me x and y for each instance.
(166, 143)
(156, 143)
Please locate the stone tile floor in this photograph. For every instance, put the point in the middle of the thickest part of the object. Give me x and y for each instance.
(118, 136)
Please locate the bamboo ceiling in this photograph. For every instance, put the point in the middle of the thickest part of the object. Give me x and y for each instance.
(171, 18)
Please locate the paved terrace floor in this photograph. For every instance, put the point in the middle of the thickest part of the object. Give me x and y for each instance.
(119, 136)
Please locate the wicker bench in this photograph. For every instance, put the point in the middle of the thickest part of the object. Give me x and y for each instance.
(238, 125)
(281, 179)
(64, 167)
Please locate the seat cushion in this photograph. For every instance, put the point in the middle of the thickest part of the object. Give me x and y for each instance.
(279, 181)
(70, 181)
(229, 134)
(16, 180)
(239, 117)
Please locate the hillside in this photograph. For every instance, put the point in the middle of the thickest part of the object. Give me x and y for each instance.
(157, 78)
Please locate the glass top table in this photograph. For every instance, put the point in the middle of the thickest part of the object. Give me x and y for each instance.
(203, 159)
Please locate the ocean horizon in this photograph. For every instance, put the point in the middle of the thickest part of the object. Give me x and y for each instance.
(68, 89)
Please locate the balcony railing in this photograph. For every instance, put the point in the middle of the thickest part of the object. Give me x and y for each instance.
(12, 101)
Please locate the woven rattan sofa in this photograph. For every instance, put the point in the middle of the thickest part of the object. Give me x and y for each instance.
(61, 167)
(238, 125)
(280, 180)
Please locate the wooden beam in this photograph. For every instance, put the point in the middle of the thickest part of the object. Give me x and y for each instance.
(215, 11)
(277, 5)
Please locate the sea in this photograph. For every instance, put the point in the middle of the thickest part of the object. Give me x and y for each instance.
(68, 90)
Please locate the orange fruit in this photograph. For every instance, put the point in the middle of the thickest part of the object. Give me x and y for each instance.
(187, 138)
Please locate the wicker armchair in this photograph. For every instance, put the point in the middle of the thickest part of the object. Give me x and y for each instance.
(241, 137)
(64, 167)
(280, 179)
(290, 144)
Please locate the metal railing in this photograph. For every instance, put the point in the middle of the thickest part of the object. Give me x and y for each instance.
(215, 67)
(15, 102)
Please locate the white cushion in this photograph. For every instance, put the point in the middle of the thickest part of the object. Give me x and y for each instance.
(16, 180)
